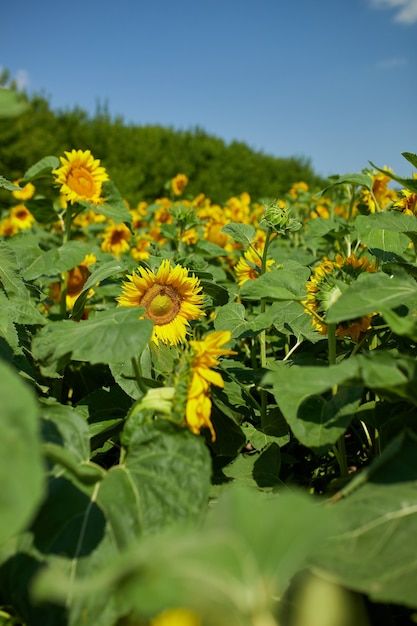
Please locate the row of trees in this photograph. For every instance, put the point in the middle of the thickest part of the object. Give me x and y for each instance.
(140, 159)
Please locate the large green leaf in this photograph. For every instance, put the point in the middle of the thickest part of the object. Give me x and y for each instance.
(40, 169)
(57, 260)
(315, 421)
(169, 470)
(231, 570)
(373, 551)
(278, 284)
(369, 293)
(21, 464)
(361, 180)
(109, 336)
(114, 207)
(232, 317)
(241, 233)
(10, 278)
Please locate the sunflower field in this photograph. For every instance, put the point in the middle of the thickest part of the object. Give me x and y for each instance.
(208, 412)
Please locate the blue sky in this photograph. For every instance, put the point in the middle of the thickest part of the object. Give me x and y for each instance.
(334, 81)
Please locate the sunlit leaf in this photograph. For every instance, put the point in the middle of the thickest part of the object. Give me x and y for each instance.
(279, 284)
(41, 169)
(241, 233)
(109, 336)
(57, 260)
(369, 293)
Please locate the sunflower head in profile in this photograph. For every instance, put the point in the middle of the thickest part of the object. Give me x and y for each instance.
(80, 177)
(323, 290)
(171, 299)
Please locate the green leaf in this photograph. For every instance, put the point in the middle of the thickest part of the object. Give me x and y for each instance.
(371, 552)
(368, 294)
(215, 568)
(114, 207)
(10, 278)
(125, 337)
(411, 158)
(97, 275)
(219, 294)
(278, 284)
(241, 233)
(165, 479)
(21, 464)
(394, 221)
(267, 466)
(57, 260)
(43, 210)
(232, 317)
(316, 422)
(41, 169)
(7, 184)
(361, 180)
(408, 183)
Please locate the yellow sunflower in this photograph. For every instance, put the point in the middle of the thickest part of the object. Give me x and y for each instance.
(322, 290)
(407, 202)
(76, 279)
(178, 184)
(171, 299)
(206, 355)
(249, 267)
(176, 617)
(25, 193)
(116, 239)
(8, 227)
(81, 177)
(21, 216)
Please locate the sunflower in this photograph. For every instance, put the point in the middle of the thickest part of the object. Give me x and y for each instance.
(249, 267)
(323, 290)
(8, 227)
(116, 239)
(407, 202)
(171, 299)
(22, 217)
(81, 177)
(178, 184)
(76, 279)
(205, 356)
(176, 617)
(25, 193)
(381, 194)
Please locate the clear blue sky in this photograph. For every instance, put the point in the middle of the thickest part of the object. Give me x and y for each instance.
(334, 81)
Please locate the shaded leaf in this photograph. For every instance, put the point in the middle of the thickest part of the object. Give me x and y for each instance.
(21, 463)
(378, 519)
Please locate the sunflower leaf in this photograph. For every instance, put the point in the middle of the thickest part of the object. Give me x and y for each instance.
(116, 335)
(21, 464)
(41, 169)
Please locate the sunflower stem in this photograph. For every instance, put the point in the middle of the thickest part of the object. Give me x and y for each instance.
(66, 236)
(262, 334)
(138, 375)
(339, 448)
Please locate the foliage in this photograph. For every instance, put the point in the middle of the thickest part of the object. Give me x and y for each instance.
(142, 158)
(266, 462)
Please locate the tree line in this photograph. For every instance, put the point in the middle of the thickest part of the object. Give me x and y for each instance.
(141, 159)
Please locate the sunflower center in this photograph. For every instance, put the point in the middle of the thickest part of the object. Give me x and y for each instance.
(81, 181)
(162, 304)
